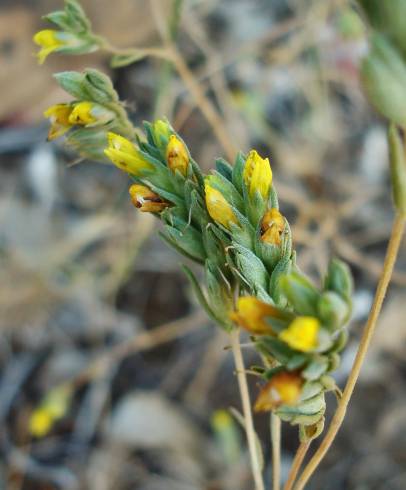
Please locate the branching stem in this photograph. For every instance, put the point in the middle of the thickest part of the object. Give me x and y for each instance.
(390, 259)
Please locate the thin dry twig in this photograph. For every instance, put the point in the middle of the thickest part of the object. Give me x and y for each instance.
(276, 427)
(297, 463)
(246, 406)
(390, 259)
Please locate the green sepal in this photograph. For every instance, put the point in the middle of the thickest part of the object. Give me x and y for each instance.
(203, 301)
(99, 86)
(339, 279)
(244, 233)
(300, 292)
(197, 172)
(273, 198)
(274, 347)
(187, 239)
(89, 143)
(176, 240)
(316, 368)
(306, 412)
(251, 267)
(297, 361)
(282, 268)
(333, 311)
(238, 169)
(219, 291)
(75, 12)
(339, 342)
(224, 168)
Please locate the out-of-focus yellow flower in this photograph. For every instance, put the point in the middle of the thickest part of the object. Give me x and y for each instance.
(146, 200)
(218, 207)
(81, 114)
(49, 40)
(302, 333)
(59, 118)
(257, 175)
(41, 422)
(177, 155)
(126, 156)
(251, 314)
(222, 419)
(284, 388)
(272, 226)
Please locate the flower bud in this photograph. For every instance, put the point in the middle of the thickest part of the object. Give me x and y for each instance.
(177, 155)
(161, 132)
(302, 334)
(284, 388)
(272, 226)
(218, 207)
(59, 118)
(123, 153)
(251, 314)
(257, 175)
(146, 200)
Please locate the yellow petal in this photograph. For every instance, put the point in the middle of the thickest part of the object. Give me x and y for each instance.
(302, 333)
(251, 314)
(59, 117)
(272, 226)
(49, 42)
(257, 175)
(284, 388)
(82, 114)
(126, 156)
(146, 200)
(218, 207)
(177, 155)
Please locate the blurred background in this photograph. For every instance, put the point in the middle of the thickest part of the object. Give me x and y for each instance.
(91, 297)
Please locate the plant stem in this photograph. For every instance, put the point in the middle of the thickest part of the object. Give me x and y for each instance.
(246, 406)
(297, 463)
(390, 259)
(276, 428)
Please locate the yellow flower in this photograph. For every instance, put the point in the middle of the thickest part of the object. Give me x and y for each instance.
(146, 200)
(59, 117)
(272, 226)
(81, 114)
(284, 388)
(257, 175)
(49, 40)
(218, 207)
(177, 155)
(221, 419)
(126, 156)
(251, 314)
(41, 422)
(302, 333)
